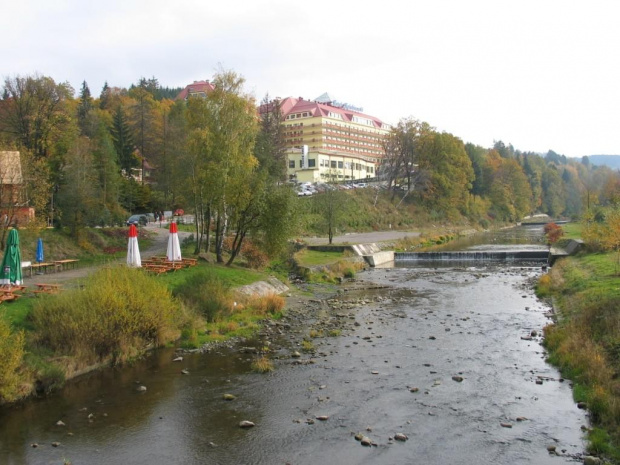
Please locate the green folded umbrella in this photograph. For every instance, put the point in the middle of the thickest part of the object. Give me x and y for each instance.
(11, 269)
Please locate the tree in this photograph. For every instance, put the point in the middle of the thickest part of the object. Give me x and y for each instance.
(270, 149)
(84, 107)
(123, 142)
(509, 190)
(223, 129)
(144, 124)
(553, 232)
(77, 196)
(477, 156)
(331, 205)
(553, 192)
(104, 97)
(34, 112)
(402, 150)
(450, 172)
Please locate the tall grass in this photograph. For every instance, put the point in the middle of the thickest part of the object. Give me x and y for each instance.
(585, 342)
(11, 355)
(266, 305)
(118, 314)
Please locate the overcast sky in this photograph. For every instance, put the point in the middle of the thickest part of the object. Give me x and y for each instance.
(537, 74)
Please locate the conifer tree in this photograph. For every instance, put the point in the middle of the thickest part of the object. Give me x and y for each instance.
(84, 107)
(123, 141)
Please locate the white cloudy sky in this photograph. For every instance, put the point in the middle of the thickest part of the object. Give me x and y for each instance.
(541, 74)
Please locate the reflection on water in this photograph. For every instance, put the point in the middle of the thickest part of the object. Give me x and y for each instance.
(517, 238)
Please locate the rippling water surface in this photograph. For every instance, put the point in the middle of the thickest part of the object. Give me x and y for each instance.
(428, 325)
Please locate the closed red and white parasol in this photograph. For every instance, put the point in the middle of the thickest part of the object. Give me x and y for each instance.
(133, 251)
(173, 253)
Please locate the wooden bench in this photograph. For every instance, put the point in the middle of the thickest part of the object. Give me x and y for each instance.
(158, 269)
(41, 266)
(190, 261)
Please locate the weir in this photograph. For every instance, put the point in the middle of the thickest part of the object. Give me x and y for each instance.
(504, 256)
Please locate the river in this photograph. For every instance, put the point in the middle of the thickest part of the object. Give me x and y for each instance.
(443, 355)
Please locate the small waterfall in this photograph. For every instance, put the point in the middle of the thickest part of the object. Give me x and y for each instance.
(488, 256)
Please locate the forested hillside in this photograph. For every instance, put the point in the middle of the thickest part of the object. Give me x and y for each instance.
(89, 159)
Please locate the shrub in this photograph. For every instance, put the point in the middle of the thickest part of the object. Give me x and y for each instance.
(119, 312)
(349, 273)
(254, 257)
(206, 294)
(11, 355)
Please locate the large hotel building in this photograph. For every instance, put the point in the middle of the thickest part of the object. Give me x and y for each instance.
(325, 140)
(329, 142)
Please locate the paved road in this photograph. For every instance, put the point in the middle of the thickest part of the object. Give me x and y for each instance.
(363, 238)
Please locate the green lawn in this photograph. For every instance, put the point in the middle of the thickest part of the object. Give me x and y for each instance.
(314, 257)
(572, 230)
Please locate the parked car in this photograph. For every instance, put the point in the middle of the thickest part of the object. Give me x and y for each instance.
(138, 220)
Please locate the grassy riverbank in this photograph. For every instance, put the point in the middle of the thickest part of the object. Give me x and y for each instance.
(585, 341)
(116, 315)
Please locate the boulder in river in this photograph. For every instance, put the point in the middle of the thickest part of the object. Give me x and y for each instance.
(591, 460)
(246, 424)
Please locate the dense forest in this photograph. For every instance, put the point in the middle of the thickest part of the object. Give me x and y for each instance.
(90, 160)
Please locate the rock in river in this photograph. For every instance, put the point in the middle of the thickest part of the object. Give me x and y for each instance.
(591, 460)
(229, 397)
(246, 424)
(400, 437)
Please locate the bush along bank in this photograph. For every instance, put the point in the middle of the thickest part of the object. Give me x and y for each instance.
(117, 315)
(585, 340)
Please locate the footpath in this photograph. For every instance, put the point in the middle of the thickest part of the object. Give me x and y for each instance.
(72, 277)
(159, 243)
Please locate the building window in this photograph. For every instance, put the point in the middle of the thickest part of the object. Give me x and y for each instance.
(340, 164)
(311, 162)
(333, 164)
(291, 163)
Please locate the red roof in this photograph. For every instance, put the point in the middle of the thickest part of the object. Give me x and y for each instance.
(297, 105)
(198, 87)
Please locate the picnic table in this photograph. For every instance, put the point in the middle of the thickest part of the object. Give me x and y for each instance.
(41, 266)
(47, 288)
(8, 292)
(64, 264)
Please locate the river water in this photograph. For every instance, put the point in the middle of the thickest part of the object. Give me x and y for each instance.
(406, 332)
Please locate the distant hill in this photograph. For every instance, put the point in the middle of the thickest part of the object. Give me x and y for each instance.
(613, 161)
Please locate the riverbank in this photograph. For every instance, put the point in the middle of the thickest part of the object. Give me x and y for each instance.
(442, 356)
(585, 339)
